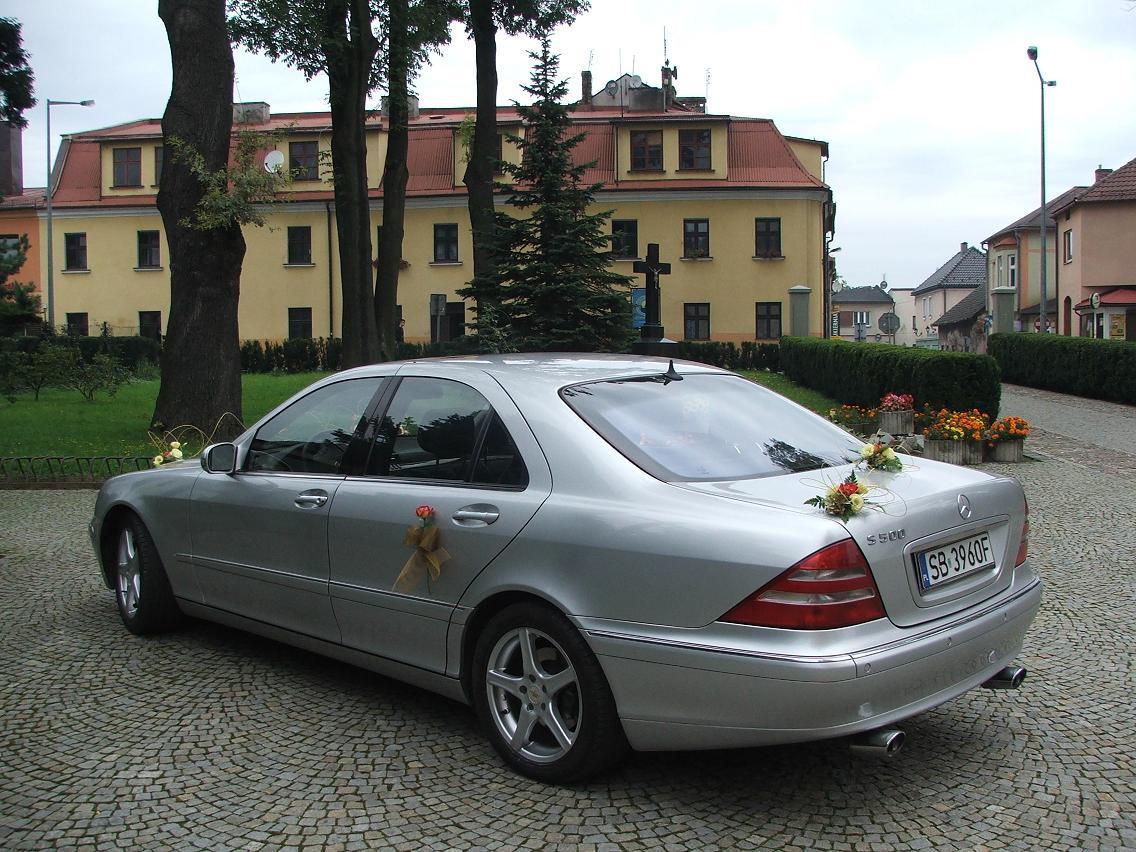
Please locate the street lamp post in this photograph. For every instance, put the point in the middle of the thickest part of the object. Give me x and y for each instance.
(47, 196)
(1031, 52)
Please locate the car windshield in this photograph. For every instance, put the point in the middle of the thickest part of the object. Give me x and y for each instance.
(708, 427)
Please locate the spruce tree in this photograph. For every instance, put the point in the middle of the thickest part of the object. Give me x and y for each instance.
(554, 290)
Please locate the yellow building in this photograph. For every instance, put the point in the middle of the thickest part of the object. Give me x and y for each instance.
(740, 210)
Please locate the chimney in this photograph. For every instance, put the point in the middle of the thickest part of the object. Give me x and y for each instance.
(11, 160)
(251, 112)
(412, 108)
(586, 87)
(963, 246)
(1100, 173)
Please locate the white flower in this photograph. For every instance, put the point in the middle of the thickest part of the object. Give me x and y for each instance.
(174, 451)
(158, 460)
(857, 502)
(889, 454)
(175, 445)
(868, 451)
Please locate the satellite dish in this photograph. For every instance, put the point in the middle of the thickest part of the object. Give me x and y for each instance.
(636, 81)
(274, 162)
(611, 88)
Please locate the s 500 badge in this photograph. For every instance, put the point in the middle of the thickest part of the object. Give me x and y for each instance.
(887, 535)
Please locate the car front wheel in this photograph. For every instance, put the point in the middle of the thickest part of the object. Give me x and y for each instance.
(542, 697)
(145, 601)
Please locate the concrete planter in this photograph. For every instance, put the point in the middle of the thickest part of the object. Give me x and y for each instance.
(898, 422)
(1007, 451)
(944, 451)
(972, 452)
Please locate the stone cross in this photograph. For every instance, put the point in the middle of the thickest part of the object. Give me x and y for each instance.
(652, 328)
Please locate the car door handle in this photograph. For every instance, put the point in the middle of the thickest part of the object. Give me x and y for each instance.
(476, 515)
(311, 499)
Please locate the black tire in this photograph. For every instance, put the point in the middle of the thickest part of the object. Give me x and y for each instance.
(554, 720)
(141, 589)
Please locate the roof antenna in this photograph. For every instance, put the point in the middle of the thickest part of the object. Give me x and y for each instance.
(671, 375)
(666, 60)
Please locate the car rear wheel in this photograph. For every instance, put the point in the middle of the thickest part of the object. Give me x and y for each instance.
(542, 697)
(145, 601)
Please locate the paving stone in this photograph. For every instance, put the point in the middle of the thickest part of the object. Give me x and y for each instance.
(209, 738)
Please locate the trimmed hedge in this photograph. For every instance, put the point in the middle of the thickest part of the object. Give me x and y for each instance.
(1083, 366)
(128, 351)
(749, 356)
(861, 373)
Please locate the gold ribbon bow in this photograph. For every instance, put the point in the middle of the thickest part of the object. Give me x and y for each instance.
(426, 560)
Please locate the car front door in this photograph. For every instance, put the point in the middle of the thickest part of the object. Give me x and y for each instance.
(460, 447)
(259, 536)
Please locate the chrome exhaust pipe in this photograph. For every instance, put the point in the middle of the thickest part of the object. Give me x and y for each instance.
(885, 742)
(1010, 677)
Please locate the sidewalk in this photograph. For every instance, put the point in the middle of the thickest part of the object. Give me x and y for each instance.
(1091, 432)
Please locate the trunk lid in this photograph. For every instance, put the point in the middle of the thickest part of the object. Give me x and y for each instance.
(927, 506)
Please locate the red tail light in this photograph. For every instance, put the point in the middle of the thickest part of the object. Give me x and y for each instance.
(1023, 548)
(832, 588)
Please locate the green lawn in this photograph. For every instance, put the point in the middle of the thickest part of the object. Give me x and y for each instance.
(62, 423)
(810, 399)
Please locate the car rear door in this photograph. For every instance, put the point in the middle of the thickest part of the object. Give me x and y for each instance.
(458, 444)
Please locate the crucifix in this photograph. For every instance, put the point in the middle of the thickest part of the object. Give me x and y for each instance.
(652, 328)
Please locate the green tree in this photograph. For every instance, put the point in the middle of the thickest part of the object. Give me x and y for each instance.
(19, 303)
(201, 379)
(483, 18)
(553, 283)
(16, 77)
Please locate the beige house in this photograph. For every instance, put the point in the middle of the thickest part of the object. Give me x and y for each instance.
(944, 288)
(741, 211)
(1097, 253)
(858, 312)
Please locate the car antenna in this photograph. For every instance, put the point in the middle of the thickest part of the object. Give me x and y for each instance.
(671, 375)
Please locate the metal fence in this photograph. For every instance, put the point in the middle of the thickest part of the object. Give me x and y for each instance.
(17, 471)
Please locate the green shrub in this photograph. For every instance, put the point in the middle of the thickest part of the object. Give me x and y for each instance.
(130, 352)
(861, 373)
(749, 356)
(295, 355)
(1101, 369)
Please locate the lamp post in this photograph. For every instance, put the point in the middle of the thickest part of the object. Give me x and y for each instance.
(47, 196)
(1031, 52)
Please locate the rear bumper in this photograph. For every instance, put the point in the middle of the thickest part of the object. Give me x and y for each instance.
(675, 694)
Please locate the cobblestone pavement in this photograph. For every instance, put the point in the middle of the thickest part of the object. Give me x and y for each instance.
(212, 738)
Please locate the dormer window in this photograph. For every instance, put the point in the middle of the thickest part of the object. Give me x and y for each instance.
(694, 149)
(127, 166)
(647, 151)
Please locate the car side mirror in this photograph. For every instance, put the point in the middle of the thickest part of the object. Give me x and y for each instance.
(219, 458)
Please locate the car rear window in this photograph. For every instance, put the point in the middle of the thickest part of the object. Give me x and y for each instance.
(708, 427)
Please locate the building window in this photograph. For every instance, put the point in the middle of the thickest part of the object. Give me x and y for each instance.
(497, 156)
(299, 245)
(694, 149)
(449, 326)
(767, 237)
(77, 325)
(299, 323)
(1068, 245)
(768, 321)
(75, 252)
(127, 166)
(159, 161)
(1000, 278)
(624, 238)
(149, 250)
(696, 320)
(861, 318)
(1012, 264)
(647, 151)
(695, 237)
(303, 160)
(150, 324)
(9, 246)
(446, 243)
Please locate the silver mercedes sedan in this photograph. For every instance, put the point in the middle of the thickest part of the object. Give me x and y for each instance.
(596, 552)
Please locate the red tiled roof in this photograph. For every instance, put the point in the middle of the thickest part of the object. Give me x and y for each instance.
(1117, 297)
(30, 198)
(1118, 186)
(758, 155)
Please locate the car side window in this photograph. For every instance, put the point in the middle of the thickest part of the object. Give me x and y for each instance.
(312, 434)
(445, 430)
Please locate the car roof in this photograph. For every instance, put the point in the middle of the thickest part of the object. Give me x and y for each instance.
(552, 369)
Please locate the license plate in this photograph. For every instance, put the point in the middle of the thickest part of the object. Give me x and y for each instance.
(951, 561)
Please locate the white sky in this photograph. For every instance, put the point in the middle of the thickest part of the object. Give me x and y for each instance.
(931, 110)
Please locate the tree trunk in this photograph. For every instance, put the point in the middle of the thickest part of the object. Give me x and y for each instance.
(395, 176)
(348, 70)
(483, 150)
(201, 363)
